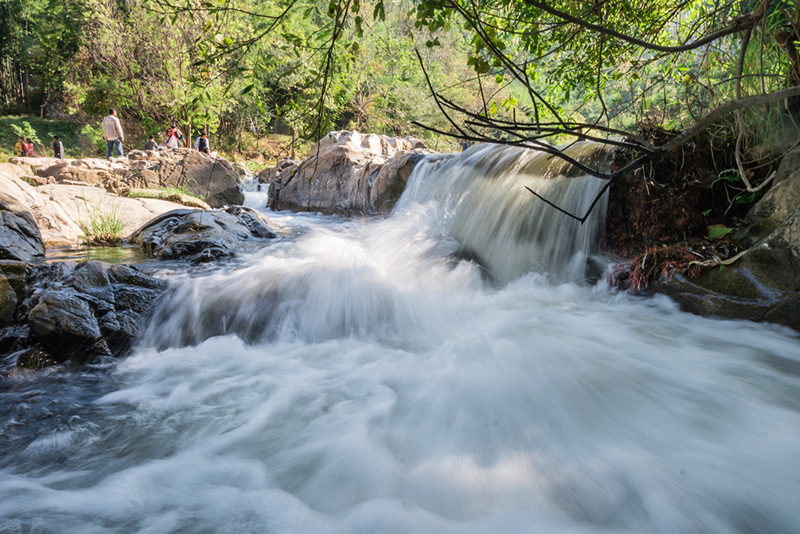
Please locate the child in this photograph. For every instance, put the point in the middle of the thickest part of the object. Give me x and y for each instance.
(21, 148)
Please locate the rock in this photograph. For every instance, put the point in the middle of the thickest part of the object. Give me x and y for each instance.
(13, 277)
(34, 358)
(78, 311)
(215, 179)
(63, 322)
(777, 205)
(20, 238)
(342, 172)
(391, 181)
(201, 235)
(764, 284)
(272, 174)
(60, 209)
(8, 302)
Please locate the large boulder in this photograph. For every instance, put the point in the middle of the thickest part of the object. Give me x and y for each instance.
(213, 178)
(60, 210)
(763, 284)
(20, 238)
(74, 311)
(347, 173)
(202, 235)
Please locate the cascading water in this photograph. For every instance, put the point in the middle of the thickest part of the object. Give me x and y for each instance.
(485, 206)
(256, 195)
(410, 374)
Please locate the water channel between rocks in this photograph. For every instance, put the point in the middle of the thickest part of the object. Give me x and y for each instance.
(445, 369)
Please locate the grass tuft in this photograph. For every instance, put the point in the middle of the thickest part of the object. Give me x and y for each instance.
(104, 226)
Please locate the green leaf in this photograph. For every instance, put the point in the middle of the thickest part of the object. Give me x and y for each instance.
(246, 89)
(715, 232)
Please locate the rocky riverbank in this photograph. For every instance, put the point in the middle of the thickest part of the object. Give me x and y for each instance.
(762, 283)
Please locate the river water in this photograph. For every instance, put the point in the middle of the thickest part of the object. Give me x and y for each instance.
(447, 369)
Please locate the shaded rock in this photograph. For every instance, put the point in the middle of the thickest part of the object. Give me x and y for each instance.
(215, 179)
(62, 321)
(34, 358)
(777, 205)
(13, 338)
(78, 311)
(764, 284)
(8, 301)
(13, 277)
(347, 173)
(201, 235)
(20, 238)
(391, 181)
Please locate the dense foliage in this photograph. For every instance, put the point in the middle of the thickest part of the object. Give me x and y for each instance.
(518, 70)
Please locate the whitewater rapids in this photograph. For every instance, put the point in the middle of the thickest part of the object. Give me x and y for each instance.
(416, 374)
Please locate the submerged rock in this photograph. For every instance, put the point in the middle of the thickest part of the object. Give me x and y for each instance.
(75, 311)
(201, 235)
(347, 173)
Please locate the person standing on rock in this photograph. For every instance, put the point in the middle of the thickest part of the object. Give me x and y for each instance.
(112, 131)
(202, 143)
(30, 153)
(58, 148)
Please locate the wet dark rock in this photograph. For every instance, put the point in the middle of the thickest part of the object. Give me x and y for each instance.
(63, 322)
(34, 358)
(201, 235)
(78, 311)
(20, 238)
(13, 276)
(776, 206)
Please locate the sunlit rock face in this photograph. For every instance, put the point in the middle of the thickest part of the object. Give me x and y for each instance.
(347, 172)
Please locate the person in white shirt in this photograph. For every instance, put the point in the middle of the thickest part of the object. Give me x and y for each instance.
(112, 131)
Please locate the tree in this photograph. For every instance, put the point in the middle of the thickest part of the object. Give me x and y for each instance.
(563, 51)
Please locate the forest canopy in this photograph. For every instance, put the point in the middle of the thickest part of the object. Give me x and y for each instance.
(527, 72)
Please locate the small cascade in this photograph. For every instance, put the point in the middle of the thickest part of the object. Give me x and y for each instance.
(256, 194)
(462, 217)
(482, 202)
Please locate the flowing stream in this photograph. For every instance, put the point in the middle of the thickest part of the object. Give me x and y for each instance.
(447, 369)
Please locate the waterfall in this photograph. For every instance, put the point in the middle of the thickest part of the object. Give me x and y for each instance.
(256, 195)
(484, 204)
(464, 219)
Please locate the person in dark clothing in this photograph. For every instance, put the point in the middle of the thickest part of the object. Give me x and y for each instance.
(58, 148)
(202, 143)
(151, 143)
